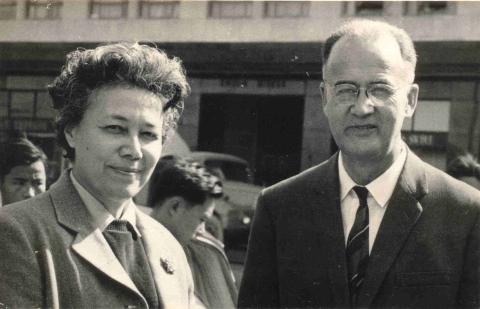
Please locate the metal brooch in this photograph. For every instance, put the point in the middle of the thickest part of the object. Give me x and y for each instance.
(167, 266)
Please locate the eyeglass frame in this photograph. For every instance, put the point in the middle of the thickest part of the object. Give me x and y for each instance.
(372, 98)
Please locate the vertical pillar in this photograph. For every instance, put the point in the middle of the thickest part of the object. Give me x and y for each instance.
(133, 9)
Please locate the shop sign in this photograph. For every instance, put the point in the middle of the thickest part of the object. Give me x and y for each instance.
(259, 83)
(426, 140)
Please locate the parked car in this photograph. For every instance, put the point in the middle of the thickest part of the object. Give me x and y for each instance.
(240, 193)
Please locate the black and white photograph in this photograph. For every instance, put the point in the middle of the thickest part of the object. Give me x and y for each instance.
(239, 154)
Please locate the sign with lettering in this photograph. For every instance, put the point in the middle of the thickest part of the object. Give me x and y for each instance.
(234, 83)
(262, 83)
(259, 83)
(427, 140)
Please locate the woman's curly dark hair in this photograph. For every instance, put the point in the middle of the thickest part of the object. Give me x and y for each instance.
(129, 64)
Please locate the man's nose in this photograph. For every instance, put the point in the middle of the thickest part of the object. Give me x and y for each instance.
(132, 148)
(363, 105)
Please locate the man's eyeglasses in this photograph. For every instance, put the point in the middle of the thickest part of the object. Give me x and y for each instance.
(348, 93)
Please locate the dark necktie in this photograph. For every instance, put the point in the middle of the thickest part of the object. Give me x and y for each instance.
(357, 246)
(129, 250)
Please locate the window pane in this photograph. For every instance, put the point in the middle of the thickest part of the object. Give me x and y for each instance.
(287, 8)
(22, 104)
(3, 103)
(439, 111)
(432, 7)
(369, 8)
(159, 9)
(231, 170)
(230, 9)
(44, 105)
(8, 10)
(108, 9)
(44, 9)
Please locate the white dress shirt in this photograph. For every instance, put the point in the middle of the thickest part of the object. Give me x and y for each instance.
(100, 215)
(379, 192)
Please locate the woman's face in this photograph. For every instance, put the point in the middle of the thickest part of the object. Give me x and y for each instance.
(117, 143)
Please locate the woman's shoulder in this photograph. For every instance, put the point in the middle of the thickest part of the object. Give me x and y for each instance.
(28, 220)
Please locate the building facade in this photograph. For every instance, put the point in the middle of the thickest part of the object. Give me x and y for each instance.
(254, 67)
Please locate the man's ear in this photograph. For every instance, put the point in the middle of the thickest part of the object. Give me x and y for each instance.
(412, 100)
(323, 94)
(174, 205)
(70, 133)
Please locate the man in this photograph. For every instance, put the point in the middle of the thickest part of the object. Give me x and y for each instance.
(22, 170)
(183, 195)
(373, 226)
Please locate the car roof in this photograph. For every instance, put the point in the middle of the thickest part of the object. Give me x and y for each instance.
(203, 156)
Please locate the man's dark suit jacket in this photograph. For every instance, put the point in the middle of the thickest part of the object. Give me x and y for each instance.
(426, 253)
(52, 257)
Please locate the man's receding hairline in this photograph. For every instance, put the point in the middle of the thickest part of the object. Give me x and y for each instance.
(364, 37)
(372, 29)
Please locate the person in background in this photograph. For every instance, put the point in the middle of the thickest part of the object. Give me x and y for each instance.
(182, 194)
(374, 226)
(84, 243)
(465, 168)
(22, 170)
(214, 226)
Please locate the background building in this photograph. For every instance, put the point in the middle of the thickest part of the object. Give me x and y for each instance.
(254, 67)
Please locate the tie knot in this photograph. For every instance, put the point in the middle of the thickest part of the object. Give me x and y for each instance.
(362, 194)
(119, 226)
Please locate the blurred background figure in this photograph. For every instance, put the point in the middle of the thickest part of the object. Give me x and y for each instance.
(465, 168)
(183, 195)
(22, 170)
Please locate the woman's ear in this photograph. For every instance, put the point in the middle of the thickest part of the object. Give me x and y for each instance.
(70, 135)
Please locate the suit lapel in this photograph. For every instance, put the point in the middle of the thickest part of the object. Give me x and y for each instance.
(402, 213)
(89, 242)
(327, 215)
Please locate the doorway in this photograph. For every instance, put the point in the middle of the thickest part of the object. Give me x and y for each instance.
(264, 130)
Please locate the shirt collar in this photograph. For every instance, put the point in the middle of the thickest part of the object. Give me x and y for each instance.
(101, 216)
(381, 188)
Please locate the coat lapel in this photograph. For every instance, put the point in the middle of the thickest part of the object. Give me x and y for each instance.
(400, 217)
(89, 242)
(327, 215)
(163, 264)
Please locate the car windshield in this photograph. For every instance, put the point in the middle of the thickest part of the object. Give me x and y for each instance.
(230, 170)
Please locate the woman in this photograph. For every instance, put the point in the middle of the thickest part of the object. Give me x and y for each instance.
(83, 243)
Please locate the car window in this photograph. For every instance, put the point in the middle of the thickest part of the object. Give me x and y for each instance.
(231, 170)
